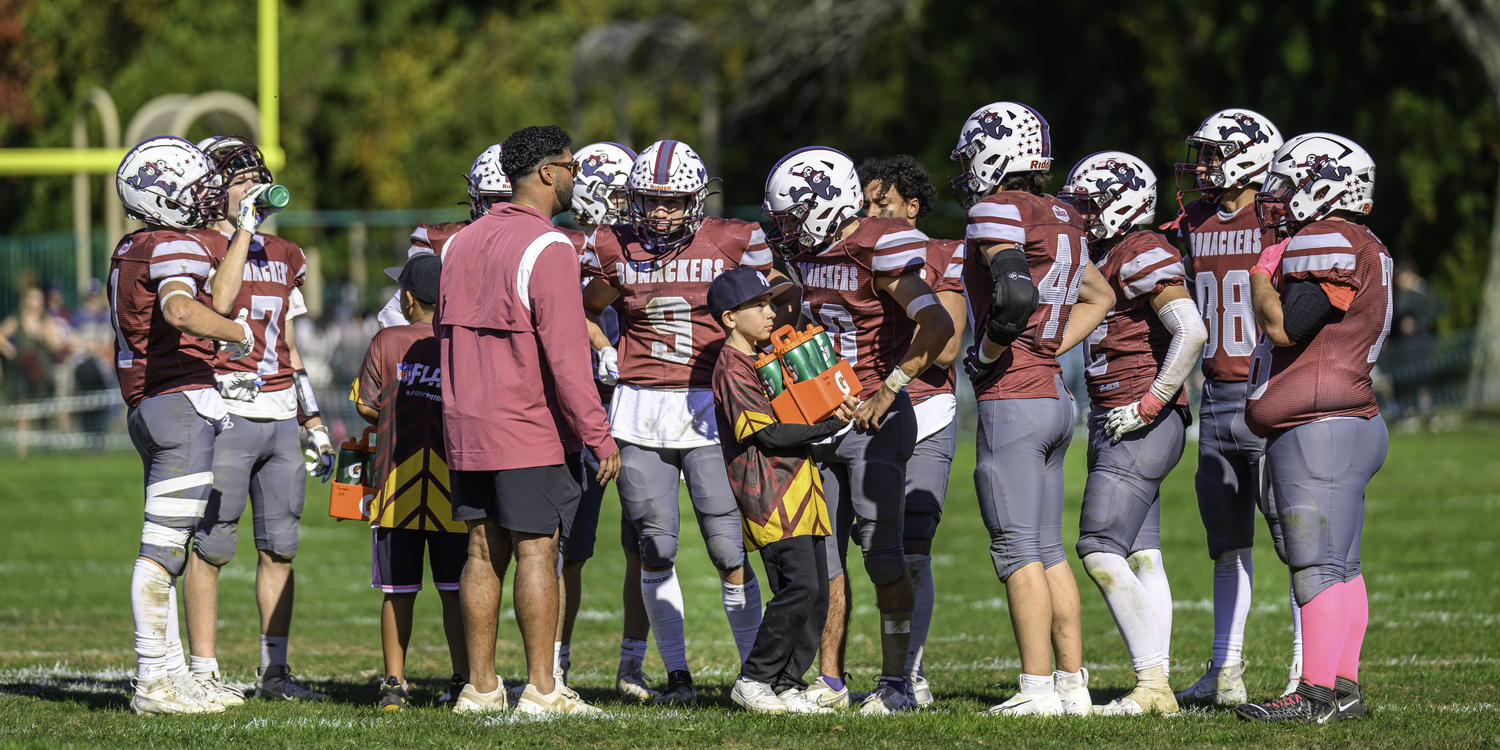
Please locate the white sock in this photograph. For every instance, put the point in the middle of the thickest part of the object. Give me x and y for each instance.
(920, 569)
(562, 656)
(632, 650)
(176, 663)
(742, 607)
(663, 597)
(272, 651)
(1036, 684)
(150, 599)
(1234, 572)
(1148, 569)
(1130, 607)
(204, 665)
(1296, 627)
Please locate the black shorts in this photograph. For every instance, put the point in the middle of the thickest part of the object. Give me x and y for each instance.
(531, 500)
(578, 545)
(397, 559)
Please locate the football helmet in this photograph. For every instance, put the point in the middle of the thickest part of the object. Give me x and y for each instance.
(488, 184)
(1313, 175)
(603, 169)
(1230, 149)
(166, 180)
(233, 155)
(809, 194)
(998, 140)
(669, 169)
(1114, 192)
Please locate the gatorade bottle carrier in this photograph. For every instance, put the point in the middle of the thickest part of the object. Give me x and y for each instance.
(352, 489)
(812, 382)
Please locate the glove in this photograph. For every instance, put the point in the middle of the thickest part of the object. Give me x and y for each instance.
(1123, 420)
(252, 215)
(319, 453)
(978, 370)
(242, 348)
(241, 386)
(1270, 259)
(607, 369)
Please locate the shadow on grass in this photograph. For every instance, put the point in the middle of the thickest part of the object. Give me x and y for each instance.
(96, 695)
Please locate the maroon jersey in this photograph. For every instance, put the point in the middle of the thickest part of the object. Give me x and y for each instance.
(151, 356)
(1052, 236)
(1126, 350)
(943, 272)
(1224, 247)
(838, 292)
(273, 268)
(1330, 375)
(667, 337)
(433, 238)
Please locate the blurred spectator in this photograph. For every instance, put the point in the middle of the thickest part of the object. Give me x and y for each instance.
(29, 339)
(93, 348)
(1417, 309)
(62, 370)
(1407, 364)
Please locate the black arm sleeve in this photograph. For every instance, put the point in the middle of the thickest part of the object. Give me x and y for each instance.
(782, 436)
(1305, 309)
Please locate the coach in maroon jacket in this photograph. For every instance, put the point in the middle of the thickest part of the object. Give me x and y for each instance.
(519, 405)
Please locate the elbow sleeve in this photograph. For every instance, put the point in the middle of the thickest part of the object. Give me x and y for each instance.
(1014, 298)
(1181, 318)
(1305, 309)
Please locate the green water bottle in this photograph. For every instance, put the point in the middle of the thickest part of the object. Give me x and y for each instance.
(275, 197)
(825, 349)
(804, 361)
(353, 460)
(771, 378)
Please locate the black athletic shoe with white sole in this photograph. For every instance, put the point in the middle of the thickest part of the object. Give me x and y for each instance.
(1348, 698)
(679, 689)
(1310, 704)
(393, 696)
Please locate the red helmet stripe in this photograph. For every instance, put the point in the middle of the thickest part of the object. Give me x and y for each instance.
(664, 161)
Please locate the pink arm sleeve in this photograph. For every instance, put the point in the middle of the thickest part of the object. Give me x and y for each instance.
(557, 310)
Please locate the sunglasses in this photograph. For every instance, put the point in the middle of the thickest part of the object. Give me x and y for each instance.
(571, 166)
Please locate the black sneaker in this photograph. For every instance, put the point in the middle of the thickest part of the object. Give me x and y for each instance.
(1310, 704)
(679, 689)
(454, 688)
(393, 696)
(1348, 698)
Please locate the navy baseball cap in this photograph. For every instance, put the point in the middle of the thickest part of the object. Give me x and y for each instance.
(737, 286)
(419, 276)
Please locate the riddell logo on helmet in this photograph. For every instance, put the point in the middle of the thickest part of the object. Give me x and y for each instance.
(990, 124)
(150, 175)
(818, 183)
(1244, 125)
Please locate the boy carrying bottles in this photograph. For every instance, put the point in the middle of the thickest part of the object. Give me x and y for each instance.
(780, 496)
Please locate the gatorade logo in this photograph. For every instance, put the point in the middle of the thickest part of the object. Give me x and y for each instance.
(838, 379)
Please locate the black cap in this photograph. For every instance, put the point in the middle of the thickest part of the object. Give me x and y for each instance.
(419, 276)
(737, 286)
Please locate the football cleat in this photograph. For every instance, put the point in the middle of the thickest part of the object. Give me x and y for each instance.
(1293, 677)
(471, 700)
(1030, 704)
(679, 689)
(886, 699)
(1073, 692)
(1218, 687)
(393, 696)
(756, 697)
(1311, 704)
(276, 681)
(169, 695)
(1348, 698)
(561, 701)
(631, 682)
(797, 702)
(211, 684)
(1152, 695)
(921, 690)
(823, 694)
(454, 688)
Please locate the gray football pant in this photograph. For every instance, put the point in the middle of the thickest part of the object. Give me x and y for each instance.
(1230, 480)
(648, 498)
(1121, 499)
(927, 482)
(1018, 475)
(1319, 471)
(864, 481)
(262, 460)
(177, 449)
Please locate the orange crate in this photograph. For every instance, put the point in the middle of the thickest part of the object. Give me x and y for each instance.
(812, 401)
(350, 502)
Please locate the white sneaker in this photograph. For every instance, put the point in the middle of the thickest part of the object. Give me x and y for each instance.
(470, 700)
(756, 697)
(561, 701)
(921, 690)
(1152, 695)
(631, 682)
(797, 702)
(169, 695)
(1030, 704)
(1217, 687)
(276, 681)
(885, 700)
(1073, 692)
(823, 694)
(1293, 677)
(213, 687)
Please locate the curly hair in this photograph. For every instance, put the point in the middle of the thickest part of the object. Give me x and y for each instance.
(903, 173)
(530, 146)
(1030, 182)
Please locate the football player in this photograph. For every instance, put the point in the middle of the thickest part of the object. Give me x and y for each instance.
(861, 281)
(899, 188)
(660, 263)
(167, 314)
(1228, 156)
(1033, 293)
(1323, 323)
(488, 185)
(260, 452)
(1136, 363)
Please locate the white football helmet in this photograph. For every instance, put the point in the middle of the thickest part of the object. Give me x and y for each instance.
(603, 169)
(1312, 176)
(668, 169)
(999, 139)
(809, 194)
(1230, 149)
(488, 184)
(166, 180)
(233, 155)
(1113, 190)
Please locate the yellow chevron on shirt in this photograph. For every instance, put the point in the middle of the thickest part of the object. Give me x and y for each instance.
(751, 422)
(415, 496)
(801, 511)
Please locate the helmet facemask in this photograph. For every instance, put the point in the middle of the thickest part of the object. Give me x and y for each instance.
(968, 187)
(664, 234)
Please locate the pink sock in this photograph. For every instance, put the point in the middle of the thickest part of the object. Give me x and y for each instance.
(1359, 619)
(1325, 627)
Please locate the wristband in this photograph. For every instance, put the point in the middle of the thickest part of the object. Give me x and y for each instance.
(919, 304)
(897, 380)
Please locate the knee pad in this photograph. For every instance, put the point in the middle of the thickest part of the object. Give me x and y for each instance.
(658, 551)
(726, 545)
(281, 542)
(166, 546)
(884, 554)
(215, 543)
(920, 525)
(1010, 555)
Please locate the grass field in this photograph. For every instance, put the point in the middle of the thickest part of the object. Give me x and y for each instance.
(1431, 659)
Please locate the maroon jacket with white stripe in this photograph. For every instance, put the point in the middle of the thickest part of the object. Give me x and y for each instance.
(1125, 352)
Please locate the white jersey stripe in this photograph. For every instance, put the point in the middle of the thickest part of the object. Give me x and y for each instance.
(1131, 268)
(1148, 282)
(990, 232)
(761, 257)
(178, 247)
(954, 270)
(180, 267)
(896, 239)
(1002, 211)
(895, 261)
(1316, 241)
(1324, 262)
